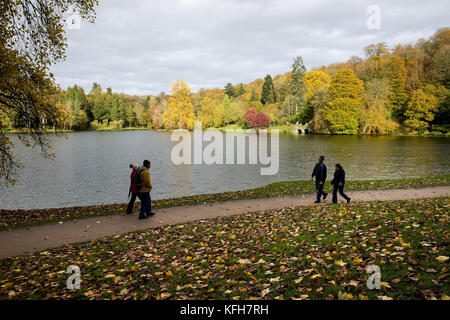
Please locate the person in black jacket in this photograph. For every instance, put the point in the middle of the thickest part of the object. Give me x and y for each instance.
(339, 182)
(320, 172)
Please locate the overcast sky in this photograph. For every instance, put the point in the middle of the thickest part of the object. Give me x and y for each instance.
(141, 46)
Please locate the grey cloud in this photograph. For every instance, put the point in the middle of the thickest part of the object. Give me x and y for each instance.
(141, 47)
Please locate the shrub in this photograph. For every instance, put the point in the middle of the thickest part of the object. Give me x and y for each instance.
(253, 119)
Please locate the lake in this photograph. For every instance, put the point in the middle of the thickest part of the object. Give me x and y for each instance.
(92, 167)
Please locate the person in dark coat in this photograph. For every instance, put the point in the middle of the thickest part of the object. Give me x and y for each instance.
(339, 182)
(320, 173)
(134, 189)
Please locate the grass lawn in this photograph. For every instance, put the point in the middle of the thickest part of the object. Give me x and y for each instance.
(10, 219)
(318, 252)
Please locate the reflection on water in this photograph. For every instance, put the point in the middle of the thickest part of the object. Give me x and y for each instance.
(92, 167)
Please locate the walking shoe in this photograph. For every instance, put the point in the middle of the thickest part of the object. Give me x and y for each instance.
(325, 195)
(151, 214)
(142, 218)
(317, 201)
(348, 201)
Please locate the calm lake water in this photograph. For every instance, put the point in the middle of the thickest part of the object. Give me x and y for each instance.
(92, 167)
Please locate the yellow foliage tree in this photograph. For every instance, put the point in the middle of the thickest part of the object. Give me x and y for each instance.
(420, 110)
(206, 113)
(180, 111)
(316, 81)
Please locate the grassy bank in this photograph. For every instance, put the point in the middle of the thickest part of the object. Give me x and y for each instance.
(10, 219)
(318, 252)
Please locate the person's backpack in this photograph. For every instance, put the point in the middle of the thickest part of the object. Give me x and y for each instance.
(137, 180)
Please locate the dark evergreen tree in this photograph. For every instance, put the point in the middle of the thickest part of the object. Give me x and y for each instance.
(147, 104)
(268, 95)
(240, 91)
(229, 90)
(297, 85)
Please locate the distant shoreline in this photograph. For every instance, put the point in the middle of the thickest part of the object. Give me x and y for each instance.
(282, 129)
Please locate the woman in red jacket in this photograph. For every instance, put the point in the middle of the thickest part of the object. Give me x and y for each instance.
(134, 190)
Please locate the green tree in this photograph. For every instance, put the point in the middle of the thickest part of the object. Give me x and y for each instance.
(229, 90)
(118, 110)
(130, 116)
(342, 115)
(268, 95)
(227, 112)
(83, 120)
(254, 96)
(297, 85)
(240, 91)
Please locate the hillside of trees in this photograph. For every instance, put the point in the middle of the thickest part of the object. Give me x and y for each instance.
(405, 89)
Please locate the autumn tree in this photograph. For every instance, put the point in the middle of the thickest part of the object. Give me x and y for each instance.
(369, 69)
(156, 117)
(31, 40)
(180, 112)
(343, 112)
(378, 49)
(342, 115)
(440, 70)
(346, 85)
(218, 115)
(255, 119)
(206, 113)
(396, 72)
(442, 94)
(376, 118)
(420, 110)
(317, 83)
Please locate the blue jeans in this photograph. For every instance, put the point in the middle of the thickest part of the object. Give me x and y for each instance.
(341, 192)
(146, 204)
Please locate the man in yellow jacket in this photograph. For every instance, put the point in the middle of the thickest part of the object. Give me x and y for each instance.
(144, 191)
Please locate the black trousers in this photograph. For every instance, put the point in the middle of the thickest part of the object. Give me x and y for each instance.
(336, 187)
(132, 201)
(319, 188)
